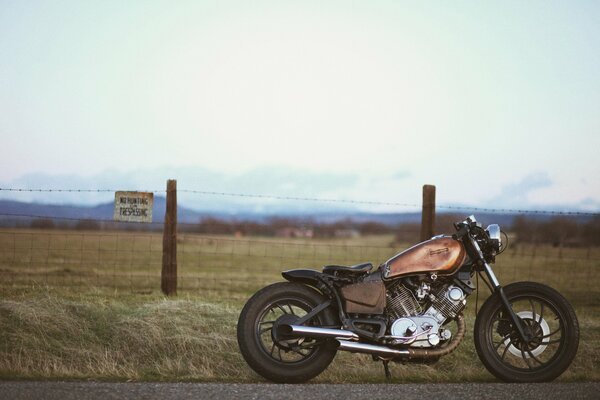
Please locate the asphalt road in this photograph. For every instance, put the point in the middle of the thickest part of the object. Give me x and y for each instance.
(16, 390)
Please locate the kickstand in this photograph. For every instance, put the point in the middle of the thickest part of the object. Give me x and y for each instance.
(386, 368)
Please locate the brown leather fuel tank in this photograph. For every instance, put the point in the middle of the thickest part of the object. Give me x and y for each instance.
(442, 255)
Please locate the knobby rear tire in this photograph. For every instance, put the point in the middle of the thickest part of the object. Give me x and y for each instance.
(253, 350)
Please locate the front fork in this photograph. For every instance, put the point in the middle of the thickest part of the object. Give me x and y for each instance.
(514, 318)
(516, 321)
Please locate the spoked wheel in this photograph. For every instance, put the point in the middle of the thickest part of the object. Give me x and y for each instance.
(271, 353)
(547, 318)
(284, 348)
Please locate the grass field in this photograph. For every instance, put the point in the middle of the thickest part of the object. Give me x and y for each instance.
(79, 305)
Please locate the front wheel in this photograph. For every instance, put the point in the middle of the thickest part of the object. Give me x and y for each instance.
(276, 357)
(549, 320)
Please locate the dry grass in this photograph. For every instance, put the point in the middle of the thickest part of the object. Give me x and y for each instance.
(92, 318)
(45, 334)
(50, 334)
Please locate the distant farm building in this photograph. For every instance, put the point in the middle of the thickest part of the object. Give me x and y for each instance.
(290, 232)
(346, 233)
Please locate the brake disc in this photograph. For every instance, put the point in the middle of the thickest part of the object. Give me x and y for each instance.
(541, 326)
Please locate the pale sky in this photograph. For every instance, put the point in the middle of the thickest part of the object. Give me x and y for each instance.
(492, 101)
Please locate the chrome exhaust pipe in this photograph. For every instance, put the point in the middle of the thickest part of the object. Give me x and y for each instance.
(316, 332)
(371, 349)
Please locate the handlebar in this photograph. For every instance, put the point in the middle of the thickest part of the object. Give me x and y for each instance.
(462, 231)
(484, 244)
(465, 227)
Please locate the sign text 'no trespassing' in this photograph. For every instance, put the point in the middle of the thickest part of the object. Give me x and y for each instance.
(133, 206)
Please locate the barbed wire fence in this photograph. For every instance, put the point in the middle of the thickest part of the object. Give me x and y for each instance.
(101, 253)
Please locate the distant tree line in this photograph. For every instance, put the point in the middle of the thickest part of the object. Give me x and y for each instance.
(217, 226)
(80, 225)
(559, 231)
(278, 227)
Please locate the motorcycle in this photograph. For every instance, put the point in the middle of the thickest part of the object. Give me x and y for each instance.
(410, 309)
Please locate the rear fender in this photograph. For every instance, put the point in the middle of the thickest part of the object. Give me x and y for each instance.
(312, 278)
(307, 276)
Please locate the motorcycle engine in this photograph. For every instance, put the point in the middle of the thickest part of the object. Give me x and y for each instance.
(416, 316)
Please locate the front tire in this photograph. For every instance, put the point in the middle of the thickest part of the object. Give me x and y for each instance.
(546, 315)
(281, 359)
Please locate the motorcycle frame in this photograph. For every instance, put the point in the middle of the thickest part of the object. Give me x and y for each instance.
(325, 284)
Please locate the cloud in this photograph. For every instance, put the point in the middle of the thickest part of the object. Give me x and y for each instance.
(517, 194)
(400, 175)
(266, 180)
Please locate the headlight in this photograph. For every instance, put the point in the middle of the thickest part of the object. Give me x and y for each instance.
(493, 232)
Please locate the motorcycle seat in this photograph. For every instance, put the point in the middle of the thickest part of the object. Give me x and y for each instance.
(357, 269)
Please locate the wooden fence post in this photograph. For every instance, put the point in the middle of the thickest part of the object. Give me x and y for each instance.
(428, 213)
(169, 260)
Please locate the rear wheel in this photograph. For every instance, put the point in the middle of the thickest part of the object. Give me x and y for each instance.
(549, 320)
(272, 355)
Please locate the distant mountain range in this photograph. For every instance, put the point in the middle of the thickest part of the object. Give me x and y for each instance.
(14, 213)
(17, 210)
(262, 191)
(204, 193)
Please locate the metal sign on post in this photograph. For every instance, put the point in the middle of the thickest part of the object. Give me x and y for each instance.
(133, 206)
